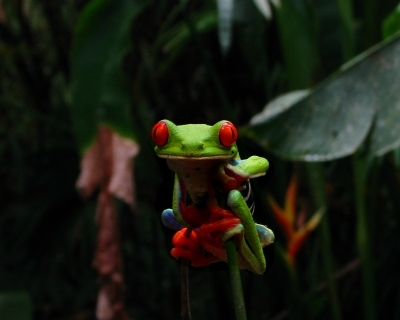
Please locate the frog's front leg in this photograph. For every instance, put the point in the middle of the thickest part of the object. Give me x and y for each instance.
(172, 218)
(255, 236)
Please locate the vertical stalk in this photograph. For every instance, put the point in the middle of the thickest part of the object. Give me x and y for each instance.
(236, 283)
(185, 301)
(363, 239)
(315, 172)
(293, 292)
(347, 30)
(371, 22)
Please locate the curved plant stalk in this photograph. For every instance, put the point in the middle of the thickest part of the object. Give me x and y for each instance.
(315, 176)
(236, 283)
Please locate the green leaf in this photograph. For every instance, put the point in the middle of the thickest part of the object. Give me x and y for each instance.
(391, 25)
(15, 305)
(279, 105)
(334, 119)
(298, 40)
(382, 86)
(179, 35)
(100, 42)
(385, 134)
(175, 40)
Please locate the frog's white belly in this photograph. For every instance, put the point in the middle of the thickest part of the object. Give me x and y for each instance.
(195, 174)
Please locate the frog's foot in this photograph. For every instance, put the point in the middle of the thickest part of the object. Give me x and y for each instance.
(169, 220)
(186, 245)
(242, 247)
(211, 235)
(252, 167)
(237, 230)
(228, 182)
(265, 234)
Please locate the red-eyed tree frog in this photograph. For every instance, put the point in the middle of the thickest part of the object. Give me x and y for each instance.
(212, 198)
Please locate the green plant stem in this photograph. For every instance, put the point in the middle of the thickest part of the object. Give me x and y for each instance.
(315, 172)
(347, 30)
(236, 282)
(371, 23)
(363, 243)
(185, 307)
(292, 290)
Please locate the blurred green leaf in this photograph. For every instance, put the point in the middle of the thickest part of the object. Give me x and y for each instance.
(100, 42)
(179, 35)
(176, 38)
(15, 306)
(335, 118)
(225, 22)
(298, 40)
(391, 25)
(251, 32)
(347, 28)
(264, 8)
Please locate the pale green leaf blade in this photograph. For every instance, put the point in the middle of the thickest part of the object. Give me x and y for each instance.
(336, 117)
(279, 105)
(385, 134)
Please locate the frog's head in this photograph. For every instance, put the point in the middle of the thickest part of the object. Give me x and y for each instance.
(195, 141)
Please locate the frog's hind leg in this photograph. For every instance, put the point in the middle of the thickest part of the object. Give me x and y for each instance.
(265, 235)
(251, 246)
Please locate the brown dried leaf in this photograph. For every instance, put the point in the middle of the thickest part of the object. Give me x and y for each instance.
(110, 162)
(123, 153)
(92, 171)
(108, 165)
(103, 307)
(108, 261)
(3, 18)
(108, 255)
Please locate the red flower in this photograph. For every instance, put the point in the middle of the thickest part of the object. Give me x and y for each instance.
(295, 230)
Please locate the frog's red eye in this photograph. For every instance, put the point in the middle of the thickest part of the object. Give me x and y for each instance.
(228, 134)
(160, 134)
